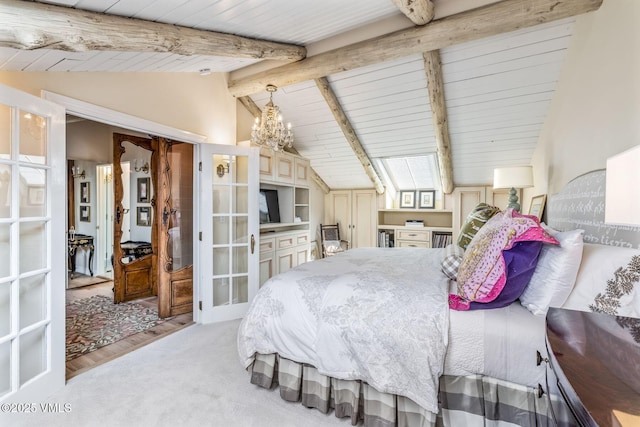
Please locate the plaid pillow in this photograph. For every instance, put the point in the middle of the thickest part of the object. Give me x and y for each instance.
(452, 260)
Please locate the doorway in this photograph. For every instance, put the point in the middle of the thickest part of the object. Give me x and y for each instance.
(101, 209)
(92, 214)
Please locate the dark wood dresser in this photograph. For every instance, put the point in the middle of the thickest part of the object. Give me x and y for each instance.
(597, 364)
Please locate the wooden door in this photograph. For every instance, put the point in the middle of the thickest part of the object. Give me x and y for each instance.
(135, 259)
(174, 216)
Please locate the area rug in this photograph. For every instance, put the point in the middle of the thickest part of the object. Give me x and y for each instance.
(96, 321)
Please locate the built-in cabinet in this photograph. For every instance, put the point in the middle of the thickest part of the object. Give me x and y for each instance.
(356, 213)
(431, 228)
(285, 245)
(466, 198)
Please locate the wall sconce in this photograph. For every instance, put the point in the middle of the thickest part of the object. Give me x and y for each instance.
(222, 169)
(77, 172)
(108, 175)
(144, 168)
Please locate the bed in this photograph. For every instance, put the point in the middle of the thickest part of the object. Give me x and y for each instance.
(368, 334)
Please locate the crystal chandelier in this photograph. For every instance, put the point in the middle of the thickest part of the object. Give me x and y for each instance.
(271, 132)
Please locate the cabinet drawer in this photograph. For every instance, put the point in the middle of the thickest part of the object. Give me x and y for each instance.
(302, 239)
(267, 244)
(415, 235)
(412, 244)
(286, 242)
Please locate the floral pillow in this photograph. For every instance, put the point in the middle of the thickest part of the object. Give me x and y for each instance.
(483, 275)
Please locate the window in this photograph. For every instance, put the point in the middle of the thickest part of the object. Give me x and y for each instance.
(410, 173)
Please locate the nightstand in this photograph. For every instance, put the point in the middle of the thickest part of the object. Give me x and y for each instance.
(597, 365)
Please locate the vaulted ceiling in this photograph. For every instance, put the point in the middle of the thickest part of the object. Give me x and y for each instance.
(496, 88)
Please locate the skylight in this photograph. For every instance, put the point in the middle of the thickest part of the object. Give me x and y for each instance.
(410, 173)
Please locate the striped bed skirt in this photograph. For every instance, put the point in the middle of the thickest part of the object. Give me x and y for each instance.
(464, 401)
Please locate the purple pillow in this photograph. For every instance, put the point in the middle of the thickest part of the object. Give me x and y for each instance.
(482, 276)
(521, 261)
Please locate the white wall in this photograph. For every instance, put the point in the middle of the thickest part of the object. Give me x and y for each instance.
(186, 101)
(595, 112)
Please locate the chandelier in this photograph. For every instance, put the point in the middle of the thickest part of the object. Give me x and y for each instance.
(271, 132)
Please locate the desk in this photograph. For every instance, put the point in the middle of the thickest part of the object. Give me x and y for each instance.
(80, 241)
(597, 363)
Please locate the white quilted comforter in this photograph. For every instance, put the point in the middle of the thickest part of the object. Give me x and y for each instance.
(378, 315)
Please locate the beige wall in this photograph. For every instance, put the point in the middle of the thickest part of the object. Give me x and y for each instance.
(595, 112)
(186, 101)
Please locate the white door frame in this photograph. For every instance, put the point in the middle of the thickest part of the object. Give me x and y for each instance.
(126, 121)
(104, 220)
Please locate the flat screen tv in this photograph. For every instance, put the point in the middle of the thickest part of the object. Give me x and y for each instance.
(269, 207)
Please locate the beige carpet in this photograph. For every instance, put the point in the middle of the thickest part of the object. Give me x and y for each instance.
(190, 378)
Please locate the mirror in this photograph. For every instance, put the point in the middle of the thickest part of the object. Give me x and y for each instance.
(137, 197)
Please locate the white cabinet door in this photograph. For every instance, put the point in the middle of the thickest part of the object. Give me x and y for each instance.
(364, 219)
(33, 247)
(338, 210)
(355, 211)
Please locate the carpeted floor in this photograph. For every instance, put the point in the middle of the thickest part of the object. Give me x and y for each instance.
(96, 321)
(190, 378)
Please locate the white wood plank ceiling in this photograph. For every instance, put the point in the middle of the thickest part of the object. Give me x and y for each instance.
(497, 90)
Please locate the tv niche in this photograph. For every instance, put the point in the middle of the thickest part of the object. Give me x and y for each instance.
(269, 206)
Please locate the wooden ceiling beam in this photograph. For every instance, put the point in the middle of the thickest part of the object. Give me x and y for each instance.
(418, 11)
(489, 20)
(29, 26)
(251, 106)
(435, 86)
(349, 132)
(257, 112)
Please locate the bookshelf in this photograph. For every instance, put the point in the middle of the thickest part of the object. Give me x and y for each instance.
(430, 228)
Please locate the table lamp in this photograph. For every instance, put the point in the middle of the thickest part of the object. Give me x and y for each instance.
(622, 202)
(513, 177)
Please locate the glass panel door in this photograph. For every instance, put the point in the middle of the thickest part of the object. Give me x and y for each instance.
(32, 246)
(230, 233)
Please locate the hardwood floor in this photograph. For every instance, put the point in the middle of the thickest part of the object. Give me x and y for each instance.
(119, 348)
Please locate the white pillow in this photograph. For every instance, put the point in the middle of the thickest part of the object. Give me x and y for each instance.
(608, 281)
(332, 246)
(556, 272)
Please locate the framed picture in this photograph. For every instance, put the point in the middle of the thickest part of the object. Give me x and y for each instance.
(84, 192)
(407, 199)
(427, 199)
(536, 208)
(144, 216)
(144, 190)
(35, 196)
(85, 213)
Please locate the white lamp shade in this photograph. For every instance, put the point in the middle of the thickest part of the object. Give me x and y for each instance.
(513, 177)
(622, 197)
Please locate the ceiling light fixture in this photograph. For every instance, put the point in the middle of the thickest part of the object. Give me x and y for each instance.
(271, 132)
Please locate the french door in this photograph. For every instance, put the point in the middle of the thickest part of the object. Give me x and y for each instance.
(230, 231)
(32, 246)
